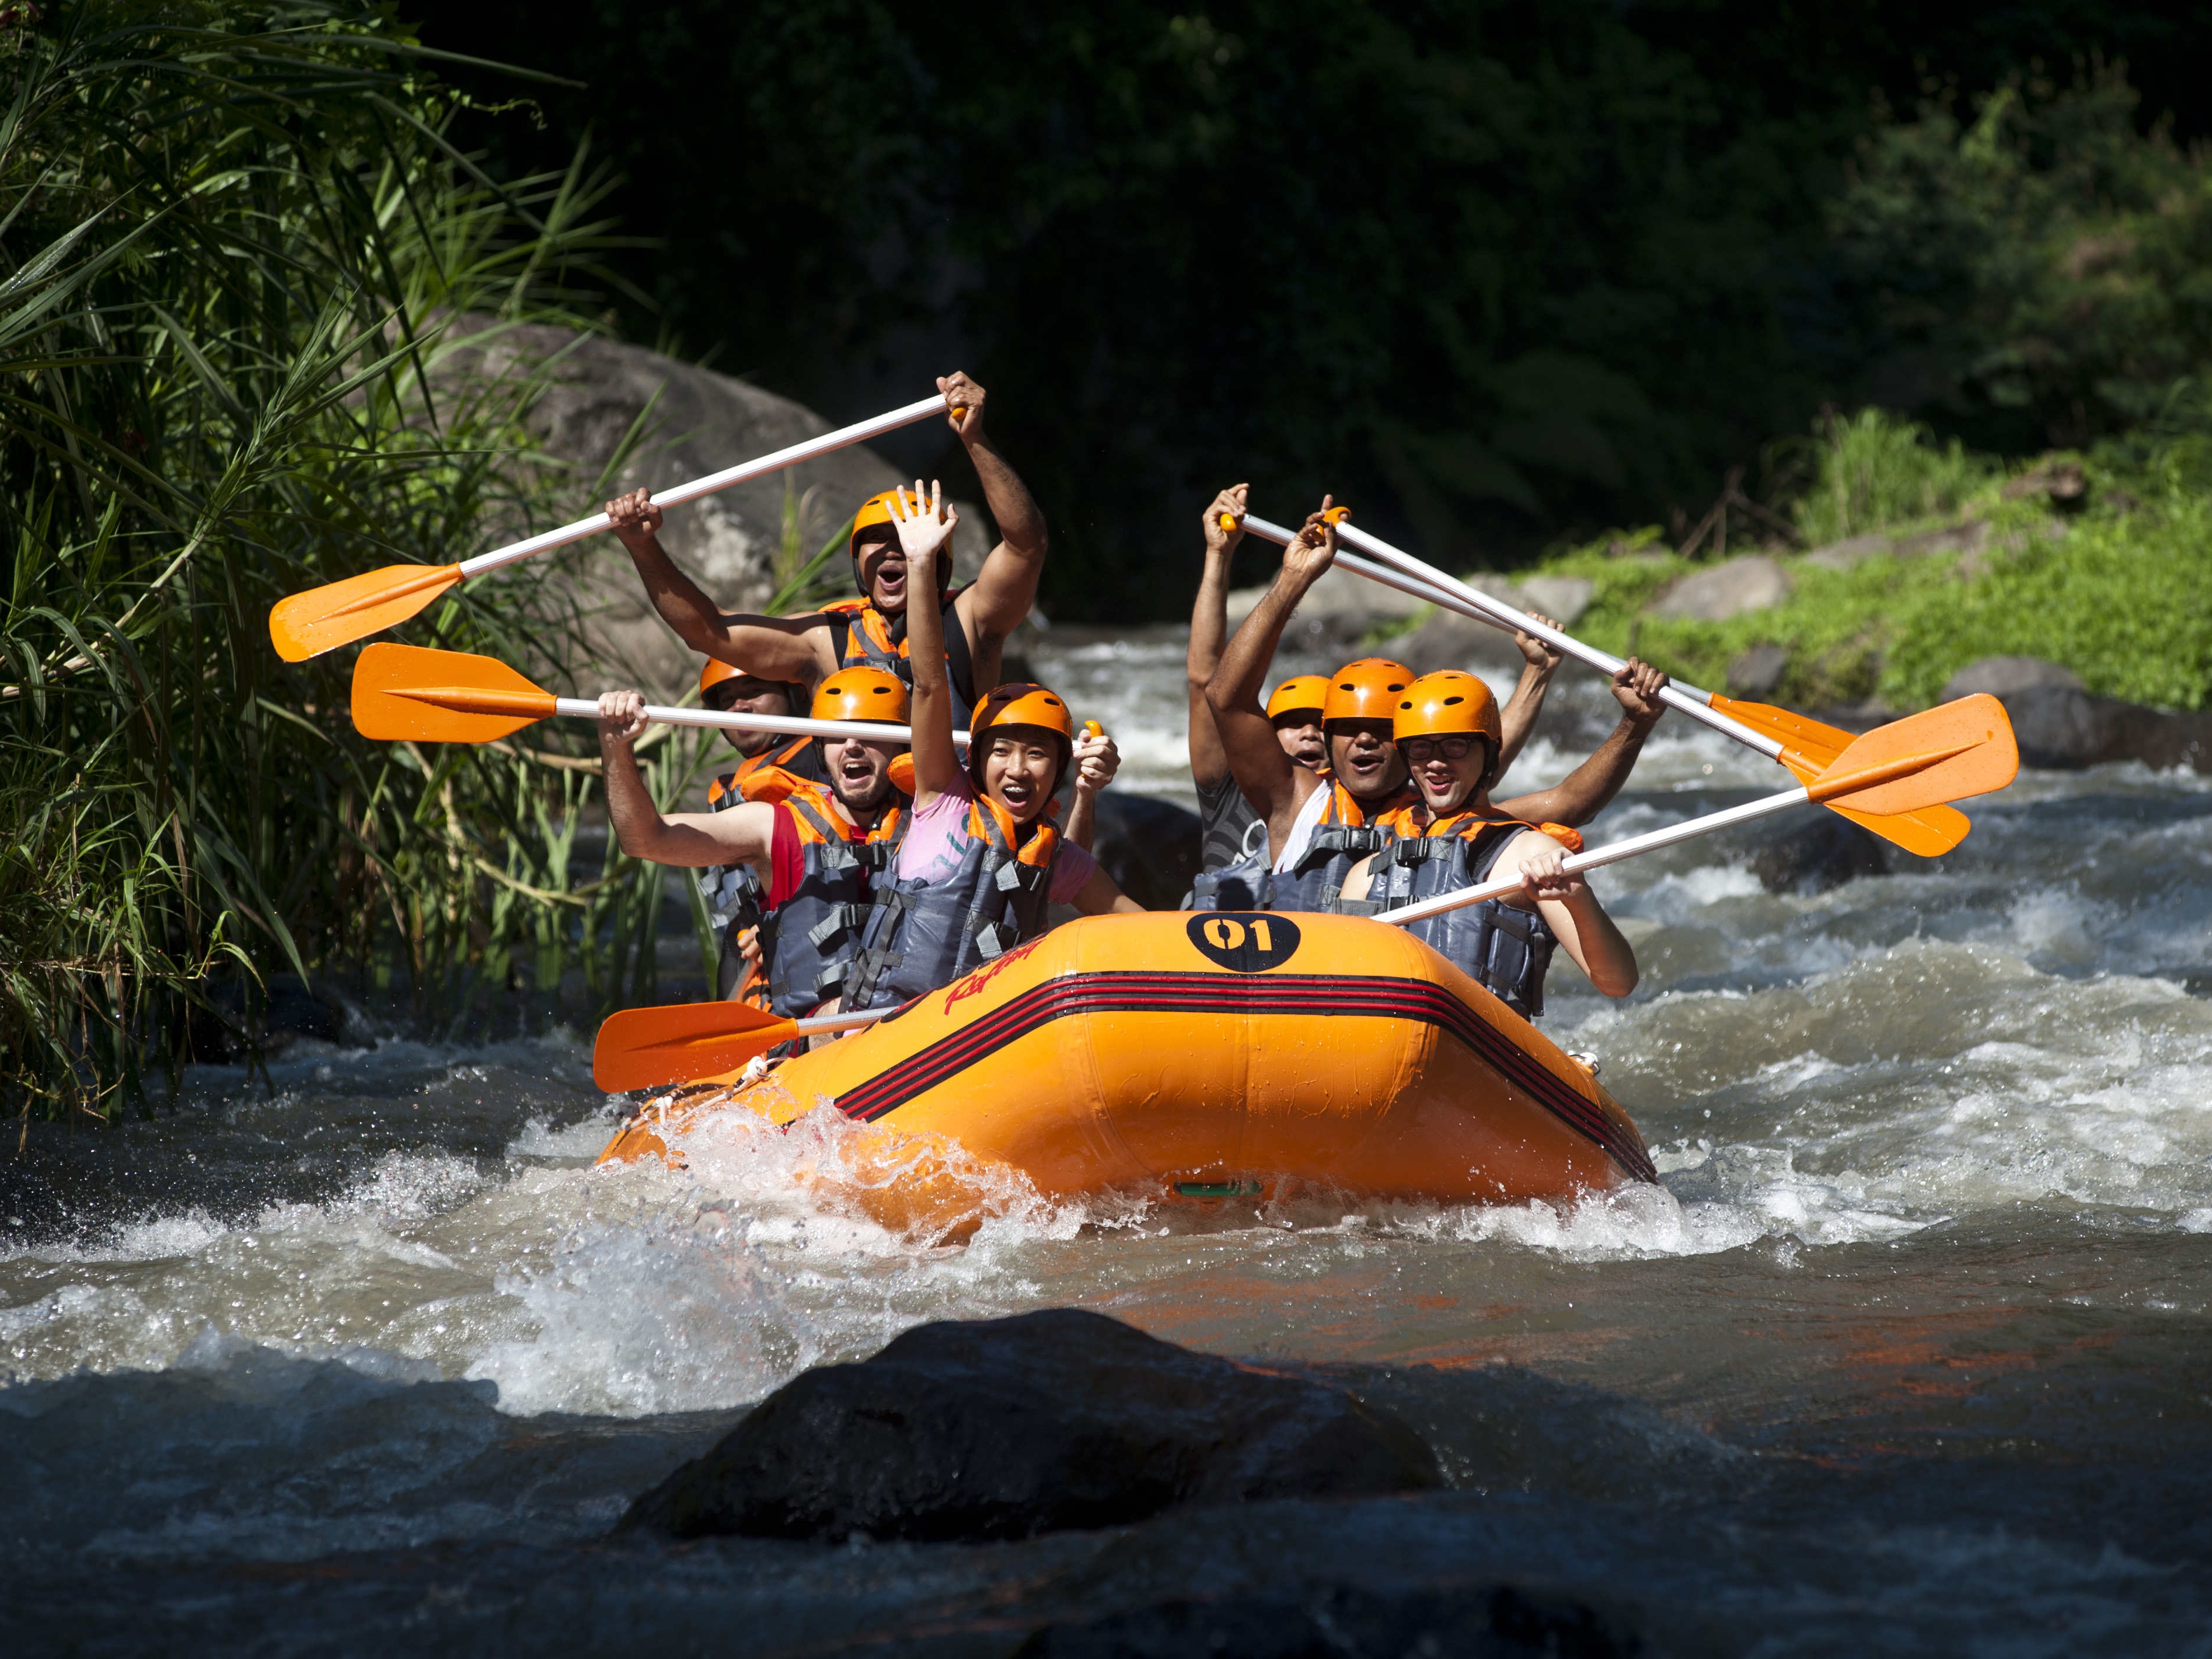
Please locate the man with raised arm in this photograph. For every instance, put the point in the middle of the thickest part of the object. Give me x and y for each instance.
(871, 631)
(1320, 824)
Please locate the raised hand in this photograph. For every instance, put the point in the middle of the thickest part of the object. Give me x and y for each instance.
(634, 517)
(1097, 761)
(621, 716)
(963, 394)
(1636, 688)
(1230, 502)
(1313, 549)
(923, 531)
(1535, 652)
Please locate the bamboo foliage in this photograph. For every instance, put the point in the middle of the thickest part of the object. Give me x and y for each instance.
(237, 262)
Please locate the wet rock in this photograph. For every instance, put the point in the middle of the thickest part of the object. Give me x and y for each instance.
(2061, 483)
(2002, 676)
(1010, 1427)
(1338, 608)
(1805, 854)
(1149, 846)
(702, 421)
(1968, 536)
(1758, 672)
(273, 1017)
(1448, 640)
(2063, 727)
(1845, 555)
(1753, 583)
(1563, 598)
(1475, 1620)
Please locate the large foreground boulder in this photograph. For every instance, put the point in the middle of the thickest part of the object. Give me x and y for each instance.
(1471, 1621)
(1149, 846)
(1007, 1428)
(2063, 727)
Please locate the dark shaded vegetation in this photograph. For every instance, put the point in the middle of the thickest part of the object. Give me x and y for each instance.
(1499, 275)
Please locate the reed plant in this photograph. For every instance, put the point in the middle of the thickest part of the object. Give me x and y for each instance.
(239, 264)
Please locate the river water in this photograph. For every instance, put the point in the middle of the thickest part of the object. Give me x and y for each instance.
(1910, 1349)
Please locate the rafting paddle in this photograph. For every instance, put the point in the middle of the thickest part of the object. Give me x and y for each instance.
(1804, 746)
(408, 692)
(646, 1047)
(1947, 753)
(337, 613)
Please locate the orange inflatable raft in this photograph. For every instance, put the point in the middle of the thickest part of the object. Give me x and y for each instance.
(1208, 1054)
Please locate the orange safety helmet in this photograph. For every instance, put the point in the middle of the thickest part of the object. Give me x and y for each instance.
(1019, 703)
(1299, 691)
(1451, 703)
(1369, 689)
(717, 672)
(876, 510)
(862, 694)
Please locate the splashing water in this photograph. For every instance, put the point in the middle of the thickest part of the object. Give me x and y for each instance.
(1935, 1156)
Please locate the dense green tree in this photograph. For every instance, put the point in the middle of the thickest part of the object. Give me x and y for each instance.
(1495, 273)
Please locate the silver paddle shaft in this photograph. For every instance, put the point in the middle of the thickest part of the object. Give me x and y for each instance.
(1411, 576)
(793, 725)
(1651, 841)
(828, 443)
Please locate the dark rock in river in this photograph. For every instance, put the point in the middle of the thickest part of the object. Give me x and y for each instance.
(1149, 846)
(1476, 1621)
(1007, 1428)
(1807, 854)
(2066, 728)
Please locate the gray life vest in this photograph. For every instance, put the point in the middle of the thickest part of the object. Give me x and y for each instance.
(853, 646)
(1242, 880)
(808, 943)
(922, 934)
(1505, 949)
(1317, 881)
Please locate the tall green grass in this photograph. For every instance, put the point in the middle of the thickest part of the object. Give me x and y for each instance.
(237, 258)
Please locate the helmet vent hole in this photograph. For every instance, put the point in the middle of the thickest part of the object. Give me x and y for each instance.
(1449, 701)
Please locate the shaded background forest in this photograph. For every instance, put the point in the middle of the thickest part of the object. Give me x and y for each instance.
(1501, 276)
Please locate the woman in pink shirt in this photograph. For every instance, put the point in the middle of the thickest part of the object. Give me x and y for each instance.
(981, 860)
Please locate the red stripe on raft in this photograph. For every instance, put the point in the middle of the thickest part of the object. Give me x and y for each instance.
(1319, 994)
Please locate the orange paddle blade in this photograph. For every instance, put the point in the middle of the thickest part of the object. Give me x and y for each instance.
(402, 692)
(646, 1047)
(324, 618)
(1942, 754)
(1801, 738)
(1809, 748)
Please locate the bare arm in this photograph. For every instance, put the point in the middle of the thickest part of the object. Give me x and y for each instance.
(1273, 784)
(1566, 904)
(1538, 662)
(1099, 895)
(741, 834)
(923, 536)
(1589, 788)
(773, 647)
(1209, 628)
(1097, 760)
(1006, 586)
